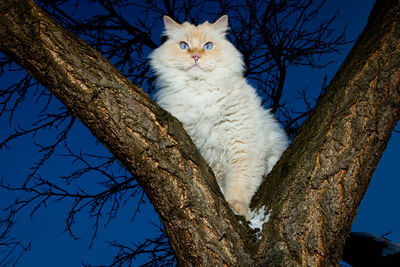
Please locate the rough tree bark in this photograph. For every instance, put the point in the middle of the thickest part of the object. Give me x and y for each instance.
(320, 181)
(314, 191)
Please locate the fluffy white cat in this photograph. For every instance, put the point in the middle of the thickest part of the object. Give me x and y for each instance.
(200, 79)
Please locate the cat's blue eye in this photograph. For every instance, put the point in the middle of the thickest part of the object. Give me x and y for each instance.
(183, 45)
(208, 46)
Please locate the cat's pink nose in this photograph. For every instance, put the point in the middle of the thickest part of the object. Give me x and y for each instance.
(195, 57)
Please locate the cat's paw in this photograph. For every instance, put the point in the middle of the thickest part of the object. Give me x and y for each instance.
(241, 207)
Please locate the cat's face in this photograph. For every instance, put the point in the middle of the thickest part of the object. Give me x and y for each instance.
(196, 50)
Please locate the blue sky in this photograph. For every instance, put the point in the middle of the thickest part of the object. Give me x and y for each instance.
(378, 212)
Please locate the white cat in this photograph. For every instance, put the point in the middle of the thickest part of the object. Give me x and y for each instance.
(200, 77)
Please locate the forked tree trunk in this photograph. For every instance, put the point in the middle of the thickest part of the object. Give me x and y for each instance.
(314, 191)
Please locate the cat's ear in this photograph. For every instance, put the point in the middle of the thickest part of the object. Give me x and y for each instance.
(170, 24)
(221, 25)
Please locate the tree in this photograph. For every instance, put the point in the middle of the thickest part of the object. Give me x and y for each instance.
(328, 166)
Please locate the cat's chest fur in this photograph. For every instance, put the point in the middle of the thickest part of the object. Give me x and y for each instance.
(209, 111)
(199, 101)
(203, 108)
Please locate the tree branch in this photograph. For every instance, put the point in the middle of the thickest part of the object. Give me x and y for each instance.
(149, 142)
(316, 187)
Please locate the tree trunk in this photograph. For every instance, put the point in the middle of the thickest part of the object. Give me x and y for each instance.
(314, 191)
(316, 188)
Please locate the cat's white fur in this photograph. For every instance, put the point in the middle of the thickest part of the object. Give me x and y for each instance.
(222, 113)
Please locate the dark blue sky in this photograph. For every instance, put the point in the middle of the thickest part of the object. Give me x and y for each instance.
(378, 212)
